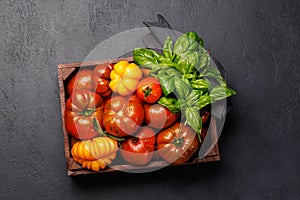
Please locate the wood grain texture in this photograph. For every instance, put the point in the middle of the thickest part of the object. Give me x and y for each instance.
(256, 41)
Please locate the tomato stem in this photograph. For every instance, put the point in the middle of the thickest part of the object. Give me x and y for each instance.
(178, 142)
(87, 112)
(147, 91)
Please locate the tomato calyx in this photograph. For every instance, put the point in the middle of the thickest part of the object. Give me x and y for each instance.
(120, 113)
(104, 133)
(135, 140)
(178, 142)
(87, 112)
(147, 91)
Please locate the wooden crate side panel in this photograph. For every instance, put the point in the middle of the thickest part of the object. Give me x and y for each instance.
(61, 74)
(93, 63)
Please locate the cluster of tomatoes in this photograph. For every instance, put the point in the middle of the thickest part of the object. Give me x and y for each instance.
(123, 100)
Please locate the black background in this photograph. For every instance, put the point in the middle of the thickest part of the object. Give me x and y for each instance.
(257, 42)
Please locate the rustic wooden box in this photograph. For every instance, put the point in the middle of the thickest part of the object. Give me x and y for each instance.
(73, 168)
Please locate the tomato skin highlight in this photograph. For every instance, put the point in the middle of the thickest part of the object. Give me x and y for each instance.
(122, 116)
(177, 144)
(139, 150)
(149, 90)
(158, 116)
(82, 80)
(81, 108)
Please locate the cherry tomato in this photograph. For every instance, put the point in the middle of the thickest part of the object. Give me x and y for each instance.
(149, 90)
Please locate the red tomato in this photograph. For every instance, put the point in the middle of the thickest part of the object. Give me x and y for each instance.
(139, 150)
(203, 133)
(158, 116)
(101, 79)
(149, 90)
(177, 143)
(82, 80)
(122, 117)
(81, 108)
(205, 116)
(134, 97)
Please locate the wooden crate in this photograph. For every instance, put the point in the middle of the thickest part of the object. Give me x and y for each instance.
(73, 168)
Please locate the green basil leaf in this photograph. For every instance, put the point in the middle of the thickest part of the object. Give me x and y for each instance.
(171, 103)
(146, 58)
(193, 119)
(188, 49)
(204, 59)
(188, 42)
(166, 82)
(170, 71)
(213, 73)
(193, 35)
(221, 92)
(181, 45)
(167, 49)
(204, 100)
(182, 88)
(193, 99)
(188, 76)
(188, 62)
(199, 92)
(200, 84)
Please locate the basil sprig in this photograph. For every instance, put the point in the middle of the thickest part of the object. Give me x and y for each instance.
(184, 69)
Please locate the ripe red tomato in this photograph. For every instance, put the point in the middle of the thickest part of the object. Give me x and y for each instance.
(139, 150)
(101, 79)
(149, 90)
(203, 133)
(205, 116)
(134, 97)
(122, 117)
(177, 143)
(82, 80)
(81, 108)
(158, 116)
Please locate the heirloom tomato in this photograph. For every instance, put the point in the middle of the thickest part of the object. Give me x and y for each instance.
(95, 154)
(122, 116)
(124, 78)
(82, 80)
(138, 150)
(177, 143)
(158, 116)
(81, 108)
(101, 79)
(205, 116)
(134, 97)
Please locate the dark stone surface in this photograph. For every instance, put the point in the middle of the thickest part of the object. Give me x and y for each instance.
(257, 42)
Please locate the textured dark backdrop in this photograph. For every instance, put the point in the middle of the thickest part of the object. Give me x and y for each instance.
(258, 43)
